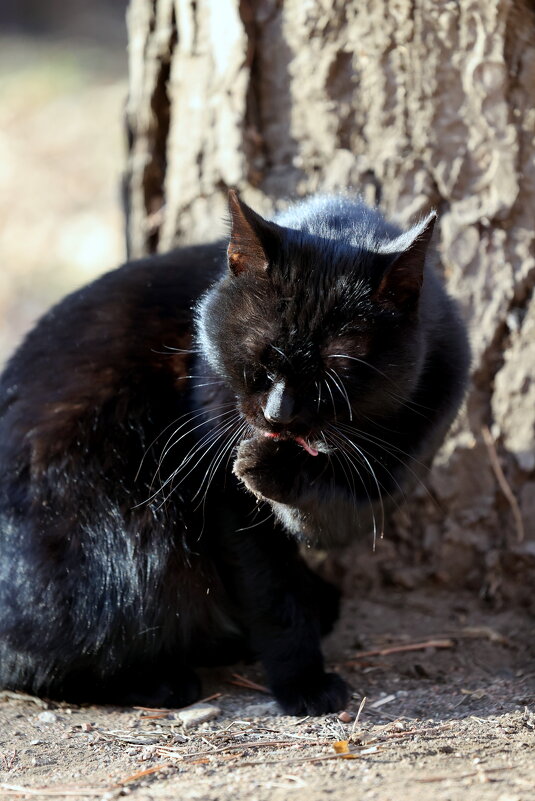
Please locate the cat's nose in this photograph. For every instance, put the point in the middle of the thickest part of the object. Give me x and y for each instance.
(280, 405)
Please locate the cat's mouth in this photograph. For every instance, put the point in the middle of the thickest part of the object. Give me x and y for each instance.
(300, 441)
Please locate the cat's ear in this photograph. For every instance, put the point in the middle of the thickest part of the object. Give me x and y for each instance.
(402, 280)
(252, 239)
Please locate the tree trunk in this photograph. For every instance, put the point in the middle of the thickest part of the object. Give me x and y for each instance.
(414, 105)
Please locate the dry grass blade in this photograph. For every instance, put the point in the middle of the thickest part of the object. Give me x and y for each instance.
(59, 791)
(131, 737)
(315, 758)
(399, 735)
(458, 776)
(352, 735)
(482, 633)
(9, 695)
(168, 751)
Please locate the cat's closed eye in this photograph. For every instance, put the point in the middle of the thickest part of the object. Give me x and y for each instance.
(347, 351)
(257, 378)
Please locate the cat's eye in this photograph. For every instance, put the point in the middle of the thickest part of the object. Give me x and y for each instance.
(339, 361)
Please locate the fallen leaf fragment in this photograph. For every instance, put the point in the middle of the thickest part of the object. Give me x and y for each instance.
(341, 747)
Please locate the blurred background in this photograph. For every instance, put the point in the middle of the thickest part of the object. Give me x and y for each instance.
(63, 85)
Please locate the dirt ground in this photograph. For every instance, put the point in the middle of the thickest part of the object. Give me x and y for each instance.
(454, 721)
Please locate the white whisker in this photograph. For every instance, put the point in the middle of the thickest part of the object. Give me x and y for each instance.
(373, 475)
(332, 398)
(192, 416)
(343, 391)
(403, 401)
(205, 450)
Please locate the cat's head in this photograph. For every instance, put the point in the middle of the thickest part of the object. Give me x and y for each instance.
(311, 330)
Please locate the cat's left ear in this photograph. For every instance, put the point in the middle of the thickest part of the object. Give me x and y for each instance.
(253, 240)
(403, 278)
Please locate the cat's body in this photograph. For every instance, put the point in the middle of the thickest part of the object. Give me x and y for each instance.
(132, 546)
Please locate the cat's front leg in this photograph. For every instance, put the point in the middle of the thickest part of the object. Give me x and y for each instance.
(283, 607)
(277, 470)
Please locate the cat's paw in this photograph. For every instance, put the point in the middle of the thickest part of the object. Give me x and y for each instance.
(324, 693)
(262, 466)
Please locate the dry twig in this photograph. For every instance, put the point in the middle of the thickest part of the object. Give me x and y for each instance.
(167, 710)
(142, 773)
(247, 684)
(395, 649)
(502, 481)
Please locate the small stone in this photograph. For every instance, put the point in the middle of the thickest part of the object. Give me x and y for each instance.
(199, 713)
(345, 717)
(47, 717)
(261, 709)
(147, 753)
(40, 763)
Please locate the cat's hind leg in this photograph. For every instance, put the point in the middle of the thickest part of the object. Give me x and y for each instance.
(144, 684)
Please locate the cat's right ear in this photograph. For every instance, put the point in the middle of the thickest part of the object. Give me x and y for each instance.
(252, 239)
(403, 278)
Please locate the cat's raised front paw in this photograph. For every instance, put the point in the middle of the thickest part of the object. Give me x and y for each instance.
(263, 468)
(324, 693)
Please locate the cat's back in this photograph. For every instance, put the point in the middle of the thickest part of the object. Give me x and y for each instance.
(106, 359)
(129, 320)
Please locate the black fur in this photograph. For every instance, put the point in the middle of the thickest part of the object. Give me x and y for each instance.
(327, 366)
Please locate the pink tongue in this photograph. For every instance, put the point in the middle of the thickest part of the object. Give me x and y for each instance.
(304, 444)
(300, 441)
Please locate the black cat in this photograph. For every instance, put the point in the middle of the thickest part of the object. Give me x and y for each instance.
(155, 482)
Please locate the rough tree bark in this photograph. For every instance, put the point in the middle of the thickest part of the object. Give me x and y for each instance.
(415, 105)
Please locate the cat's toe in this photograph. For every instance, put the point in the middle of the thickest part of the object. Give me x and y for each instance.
(319, 695)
